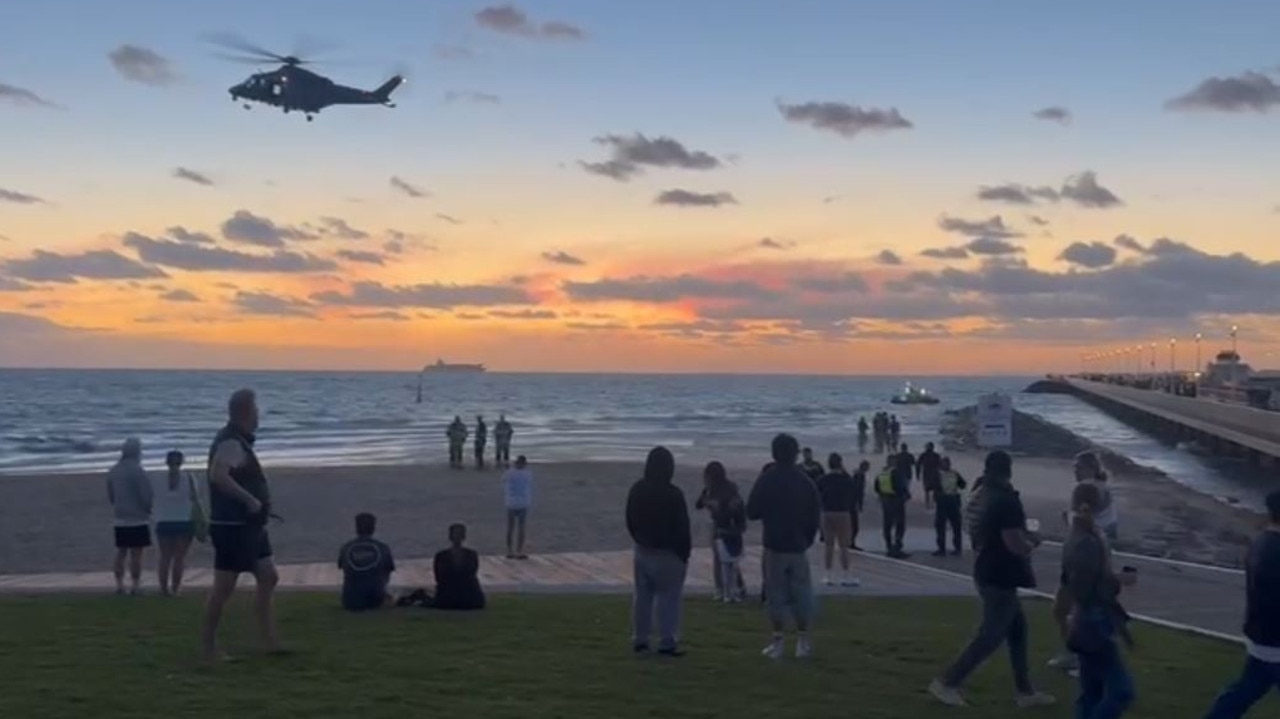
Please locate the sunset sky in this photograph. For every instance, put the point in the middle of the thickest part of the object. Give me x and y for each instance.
(837, 186)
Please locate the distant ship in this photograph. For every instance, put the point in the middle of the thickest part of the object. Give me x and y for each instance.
(914, 395)
(442, 366)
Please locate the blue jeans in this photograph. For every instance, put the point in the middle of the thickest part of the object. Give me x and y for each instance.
(1106, 689)
(1258, 678)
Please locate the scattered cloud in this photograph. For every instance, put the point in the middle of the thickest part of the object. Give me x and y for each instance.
(844, 119)
(338, 228)
(1127, 242)
(8, 284)
(382, 315)
(642, 288)
(1249, 92)
(1092, 255)
(1037, 220)
(448, 218)
(993, 226)
(992, 246)
(841, 283)
(630, 154)
(264, 303)
(433, 295)
(474, 97)
(19, 198)
(180, 295)
(946, 253)
(362, 256)
(182, 234)
(1083, 189)
(247, 228)
(44, 266)
(560, 257)
(1054, 113)
(22, 96)
(408, 188)
(889, 257)
(510, 20)
(143, 65)
(189, 175)
(773, 243)
(829, 199)
(686, 198)
(199, 258)
(526, 314)
(1016, 194)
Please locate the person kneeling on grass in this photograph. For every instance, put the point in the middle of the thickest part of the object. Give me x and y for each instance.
(366, 565)
(457, 571)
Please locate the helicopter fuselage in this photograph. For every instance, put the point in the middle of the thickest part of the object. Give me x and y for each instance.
(292, 88)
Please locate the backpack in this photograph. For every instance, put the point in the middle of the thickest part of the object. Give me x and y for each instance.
(975, 513)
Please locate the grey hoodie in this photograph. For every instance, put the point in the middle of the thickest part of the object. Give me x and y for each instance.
(129, 491)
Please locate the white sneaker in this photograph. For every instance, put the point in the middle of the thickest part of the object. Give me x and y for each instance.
(1035, 699)
(947, 695)
(775, 650)
(804, 649)
(1065, 661)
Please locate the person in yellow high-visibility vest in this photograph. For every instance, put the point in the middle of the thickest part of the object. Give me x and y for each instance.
(892, 489)
(948, 503)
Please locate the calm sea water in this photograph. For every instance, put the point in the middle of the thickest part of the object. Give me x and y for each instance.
(74, 420)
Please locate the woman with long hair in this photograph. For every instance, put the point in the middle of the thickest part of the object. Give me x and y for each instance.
(175, 502)
(721, 499)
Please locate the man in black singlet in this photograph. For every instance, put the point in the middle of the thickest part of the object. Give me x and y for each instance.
(239, 506)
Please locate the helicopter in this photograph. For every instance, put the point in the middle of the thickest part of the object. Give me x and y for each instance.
(292, 87)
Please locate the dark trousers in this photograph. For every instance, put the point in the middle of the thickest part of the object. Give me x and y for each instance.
(1106, 688)
(502, 455)
(455, 454)
(1002, 623)
(1257, 680)
(894, 510)
(479, 454)
(946, 514)
(855, 525)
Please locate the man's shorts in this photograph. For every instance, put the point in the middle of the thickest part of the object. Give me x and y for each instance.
(135, 537)
(787, 583)
(239, 547)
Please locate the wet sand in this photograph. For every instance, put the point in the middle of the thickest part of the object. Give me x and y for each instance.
(63, 523)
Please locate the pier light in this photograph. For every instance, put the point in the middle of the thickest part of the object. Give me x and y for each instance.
(1153, 358)
(1199, 337)
(1173, 354)
(1234, 330)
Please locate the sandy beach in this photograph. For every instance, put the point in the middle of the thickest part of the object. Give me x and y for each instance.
(63, 523)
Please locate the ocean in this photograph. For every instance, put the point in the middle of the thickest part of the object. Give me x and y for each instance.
(62, 421)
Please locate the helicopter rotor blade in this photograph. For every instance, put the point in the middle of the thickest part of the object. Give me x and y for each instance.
(243, 59)
(231, 41)
(310, 46)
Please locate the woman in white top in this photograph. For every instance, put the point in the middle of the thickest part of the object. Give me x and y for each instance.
(174, 528)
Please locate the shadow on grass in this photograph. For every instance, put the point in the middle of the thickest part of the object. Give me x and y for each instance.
(538, 656)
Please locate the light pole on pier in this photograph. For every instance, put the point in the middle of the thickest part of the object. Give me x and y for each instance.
(1199, 337)
(1234, 330)
(1173, 355)
(1153, 358)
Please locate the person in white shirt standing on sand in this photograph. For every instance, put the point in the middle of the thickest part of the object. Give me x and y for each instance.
(517, 484)
(176, 505)
(129, 491)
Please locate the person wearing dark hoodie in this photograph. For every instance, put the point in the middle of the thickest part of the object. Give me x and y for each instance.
(1261, 623)
(658, 521)
(786, 502)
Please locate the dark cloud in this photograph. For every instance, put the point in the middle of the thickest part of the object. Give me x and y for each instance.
(1127, 242)
(1016, 194)
(19, 198)
(630, 154)
(180, 295)
(408, 188)
(8, 284)
(448, 218)
(182, 234)
(560, 257)
(772, 243)
(398, 242)
(434, 295)
(337, 227)
(523, 314)
(250, 229)
(511, 20)
(1084, 190)
(43, 266)
(362, 256)
(1037, 220)
(1250, 92)
(661, 290)
(199, 178)
(140, 64)
(946, 253)
(889, 257)
(382, 315)
(474, 97)
(596, 326)
(686, 198)
(696, 329)
(844, 119)
(992, 246)
(993, 226)
(22, 96)
(1093, 255)
(264, 303)
(1053, 113)
(198, 258)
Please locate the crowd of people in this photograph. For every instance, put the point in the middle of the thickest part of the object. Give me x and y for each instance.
(795, 500)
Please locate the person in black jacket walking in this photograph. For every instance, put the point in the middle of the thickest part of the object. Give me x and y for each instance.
(658, 521)
(1261, 625)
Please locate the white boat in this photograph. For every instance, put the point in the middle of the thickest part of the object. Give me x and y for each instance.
(914, 395)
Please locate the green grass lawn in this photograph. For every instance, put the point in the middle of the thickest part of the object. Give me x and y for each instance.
(537, 656)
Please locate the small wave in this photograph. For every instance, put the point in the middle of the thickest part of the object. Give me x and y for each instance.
(347, 423)
(53, 445)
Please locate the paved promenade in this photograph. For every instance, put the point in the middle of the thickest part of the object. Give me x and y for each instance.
(1248, 427)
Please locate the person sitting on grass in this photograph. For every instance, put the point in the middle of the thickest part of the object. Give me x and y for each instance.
(366, 565)
(457, 572)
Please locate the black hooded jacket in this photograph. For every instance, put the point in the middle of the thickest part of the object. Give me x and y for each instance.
(657, 513)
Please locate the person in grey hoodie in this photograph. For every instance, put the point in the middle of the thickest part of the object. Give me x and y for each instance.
(129, 492)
